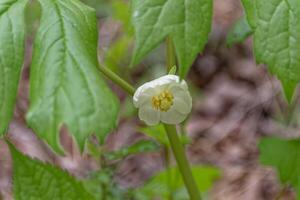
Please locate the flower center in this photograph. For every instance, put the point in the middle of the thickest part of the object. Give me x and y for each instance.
(163, 101)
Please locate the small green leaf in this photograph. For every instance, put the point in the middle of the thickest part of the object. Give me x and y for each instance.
(159, 186)
(276, 25)
(283, 155)
(187, 22)
(12, 33)
(239, 32)
(157, 132)
(173, 70)
(34, 180)
(65, 85)
(142, 146)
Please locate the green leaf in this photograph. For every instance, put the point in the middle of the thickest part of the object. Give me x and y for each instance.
(65, 85)
(157, 132)
(33, 180)
(250, 11)
(276, 25)
(239, 32)
(142, 146)
(173, 70)
(12, 32)
(159, 186)
(188, 22)
(284, 156)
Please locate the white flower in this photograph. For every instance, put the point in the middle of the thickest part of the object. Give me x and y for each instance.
(165, 99)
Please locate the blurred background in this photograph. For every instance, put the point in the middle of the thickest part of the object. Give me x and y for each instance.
(235, 102)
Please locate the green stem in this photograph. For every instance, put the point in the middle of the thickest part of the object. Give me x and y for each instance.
(117, 80)
(182, 162)
(171, 57)
(177, 147)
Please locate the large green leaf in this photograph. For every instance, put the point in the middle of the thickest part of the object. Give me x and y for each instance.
(276, 25)
(65, 86)
(284, 155)
(188, 22)
(12, 31)
(160, 186)
(34, 180)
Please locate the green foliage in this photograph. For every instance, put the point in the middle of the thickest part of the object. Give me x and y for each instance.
(169, 183)
(276, 25)
(187, 22)
(12, 32)
(158, 133)
(173, 70)
(284, 156)
(34, 180)
(116, 56)
(32, 14)
(102, 185)
(239, 32)
(65, 85)
(121, 12)
(142, 146)
(250, 12)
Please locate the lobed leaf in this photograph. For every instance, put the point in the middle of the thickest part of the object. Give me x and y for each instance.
(276, 25)
(65, 85)
(34, 180)
(12, 33)
(188, 22)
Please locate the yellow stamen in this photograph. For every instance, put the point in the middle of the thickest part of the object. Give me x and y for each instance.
(163, 101)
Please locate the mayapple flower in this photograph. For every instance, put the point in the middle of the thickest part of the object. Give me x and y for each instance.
(165, 99)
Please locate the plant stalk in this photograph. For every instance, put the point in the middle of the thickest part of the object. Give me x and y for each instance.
(177, 147)
(182, 163)
(117, 80)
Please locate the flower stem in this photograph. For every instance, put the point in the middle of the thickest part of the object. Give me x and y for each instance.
(117, 80)
(177, 147)
(182, 163)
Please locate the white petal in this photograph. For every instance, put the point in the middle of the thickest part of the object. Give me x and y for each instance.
(183, 104)
(162, 81)
(141, 100)
(149, 115)
(165, 80)
(172, 117)
(152, 88)
(143, 95)
(175, 87)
